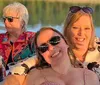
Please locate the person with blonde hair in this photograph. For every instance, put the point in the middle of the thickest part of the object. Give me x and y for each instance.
(54, 66)
(80, 33)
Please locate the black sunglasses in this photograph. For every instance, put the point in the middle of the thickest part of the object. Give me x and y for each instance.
(75, 9)
(53, 41)
(9, 18)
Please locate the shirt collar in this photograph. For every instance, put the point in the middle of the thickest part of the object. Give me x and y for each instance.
(22, 38)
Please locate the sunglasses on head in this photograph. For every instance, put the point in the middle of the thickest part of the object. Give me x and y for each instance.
(75, 9)
(9, 18)
(53, 41)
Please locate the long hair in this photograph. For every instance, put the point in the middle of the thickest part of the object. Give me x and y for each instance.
(41, 62)
(72, 18)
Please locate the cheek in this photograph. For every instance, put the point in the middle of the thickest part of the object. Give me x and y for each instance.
(72, 36)
(45, 55)
(63, 45)
(89, 34)
(72, 33)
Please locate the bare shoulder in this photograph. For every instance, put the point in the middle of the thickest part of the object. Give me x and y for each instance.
(10, 80)
(32, 76)
(86, 76)
(34, 72)
(90, 73)
(91, 77)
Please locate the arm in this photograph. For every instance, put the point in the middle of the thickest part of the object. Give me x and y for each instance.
(14, 80)
(23, 66)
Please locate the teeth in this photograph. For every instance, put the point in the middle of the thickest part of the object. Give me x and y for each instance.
(80, 39)
(55, 54)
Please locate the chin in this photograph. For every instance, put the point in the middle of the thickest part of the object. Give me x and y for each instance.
(81, 47)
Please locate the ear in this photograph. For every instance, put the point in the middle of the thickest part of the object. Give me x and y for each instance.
(23, 24)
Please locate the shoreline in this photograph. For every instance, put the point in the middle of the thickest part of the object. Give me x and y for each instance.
(72, 1)
(66, 1)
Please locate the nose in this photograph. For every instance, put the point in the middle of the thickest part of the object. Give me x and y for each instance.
(80, 32)
(50, 47)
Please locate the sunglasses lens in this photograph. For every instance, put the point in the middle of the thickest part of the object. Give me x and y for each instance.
(55, 40)
(43, 48)
(74, 9)
(10, 19)
(87, 10)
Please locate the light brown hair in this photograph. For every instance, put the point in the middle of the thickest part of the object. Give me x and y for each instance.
(72, 18)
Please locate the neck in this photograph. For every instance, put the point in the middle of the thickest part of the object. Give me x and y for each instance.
(62, 66)
(13, 36)
(80, 54)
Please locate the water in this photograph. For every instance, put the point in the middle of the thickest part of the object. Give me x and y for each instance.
(50, 14)
(98, 31)
(37, 27)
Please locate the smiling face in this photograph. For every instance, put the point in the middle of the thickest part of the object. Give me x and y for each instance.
(81, 32)
(54, 52)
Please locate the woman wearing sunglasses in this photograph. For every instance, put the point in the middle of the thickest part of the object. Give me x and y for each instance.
(15, 43)
(54, 66)
(79, 31)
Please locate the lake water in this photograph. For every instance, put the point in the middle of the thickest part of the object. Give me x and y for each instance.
(50, 13)
(98, 31)
(59, 28)
(37, 27)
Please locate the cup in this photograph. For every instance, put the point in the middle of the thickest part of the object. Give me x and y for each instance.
(11, 65)
(2, 69)
(1, 74)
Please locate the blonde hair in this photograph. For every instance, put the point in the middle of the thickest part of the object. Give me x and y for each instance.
(18, 8)
(72, 18)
